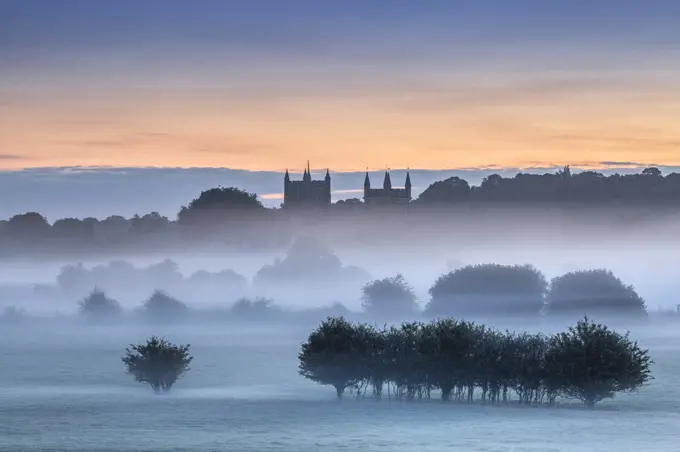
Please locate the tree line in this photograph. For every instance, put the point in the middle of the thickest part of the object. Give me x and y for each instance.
(461, 360)
(475, 291)
(219, 209)
(507, 290)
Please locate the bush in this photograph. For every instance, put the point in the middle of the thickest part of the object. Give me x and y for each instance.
(488, 289)
(98, 308)
(258, 309)
(12, 315)
(158, 362)
(389, 297)
(161, 306)
(592, 363)
(457, 358)
(593, 292)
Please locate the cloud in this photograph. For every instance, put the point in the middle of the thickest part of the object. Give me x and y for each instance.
(12, 157)
(623, 163)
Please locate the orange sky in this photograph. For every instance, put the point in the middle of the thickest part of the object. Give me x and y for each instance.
(546, 121)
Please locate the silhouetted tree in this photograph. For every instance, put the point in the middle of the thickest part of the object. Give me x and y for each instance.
(68, 228)
(389, 297)
(158, 362)
(99, 308)
(451, 190)
(332, 355)
(489, 289)
(593, 292)
(29, 225)
(148, 224)
(217, 203)
(592, 363)
(162, 307)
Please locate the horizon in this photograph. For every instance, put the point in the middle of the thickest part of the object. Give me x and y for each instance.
(99, 192)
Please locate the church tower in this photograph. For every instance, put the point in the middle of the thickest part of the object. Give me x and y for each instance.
(306, 192)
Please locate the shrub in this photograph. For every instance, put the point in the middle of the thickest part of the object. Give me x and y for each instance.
(158, 362)
(98, 308)
(258, 309)
(593, 292)
(488, 289)
(161, 306)
(389, 297)
(592, 363)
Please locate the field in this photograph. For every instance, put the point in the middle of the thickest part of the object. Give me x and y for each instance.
(66, 390)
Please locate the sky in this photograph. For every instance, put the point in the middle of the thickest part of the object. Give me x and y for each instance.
(266, 85)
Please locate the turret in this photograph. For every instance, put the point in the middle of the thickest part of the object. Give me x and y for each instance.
(307, 176)
(387, 183)
(367, 185)
(328, 175)
(286, 182)
(407, 184)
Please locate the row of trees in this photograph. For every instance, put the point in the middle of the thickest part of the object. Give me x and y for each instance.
(483, 290)
(228, 207)
(460, 359)
(507, 290)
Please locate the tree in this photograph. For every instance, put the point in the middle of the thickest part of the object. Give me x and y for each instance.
(331, 355)
(593, 292)
(651, 171)
(99, 308)
(592, 363)
(450, 190)
(309, 261)
(488, 289)
(217, 203)
(158, 362)
(389, 296)
(150, 223)
(258, 309)
(68, 228)
(163, 307)
(28, 226)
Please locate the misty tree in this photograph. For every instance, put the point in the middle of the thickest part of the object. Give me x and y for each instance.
(158, 363)
(258, 309)
(389, 296)
(161, 306)
(488, 289)
(98, 308)
(593, 292)
(12, 315)
(591, 363)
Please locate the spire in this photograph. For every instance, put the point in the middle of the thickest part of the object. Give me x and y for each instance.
(367, 182)
(328, 175)
(307, 176)
(287, 176)
(387, 183)
(408, 180)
